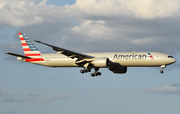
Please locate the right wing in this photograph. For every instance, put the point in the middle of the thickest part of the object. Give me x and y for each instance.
(68, 53)
(17, 55)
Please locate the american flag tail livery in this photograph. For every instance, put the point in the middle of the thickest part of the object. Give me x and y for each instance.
(29, 49)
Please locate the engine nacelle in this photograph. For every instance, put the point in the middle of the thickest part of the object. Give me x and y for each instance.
(118, 70)
(101, 62)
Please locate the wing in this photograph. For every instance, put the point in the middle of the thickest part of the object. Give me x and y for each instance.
(17, 55)
(68, 53)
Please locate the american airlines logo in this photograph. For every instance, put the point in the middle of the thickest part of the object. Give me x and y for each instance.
(130, 57)
(150, 56)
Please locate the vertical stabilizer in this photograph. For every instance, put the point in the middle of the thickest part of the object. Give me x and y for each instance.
(29, 49)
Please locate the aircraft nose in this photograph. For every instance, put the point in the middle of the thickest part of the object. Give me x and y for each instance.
(174, 60)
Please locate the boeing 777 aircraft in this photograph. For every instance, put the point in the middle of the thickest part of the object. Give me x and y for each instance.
(117, 62)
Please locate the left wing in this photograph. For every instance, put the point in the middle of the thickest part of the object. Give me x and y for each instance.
(68, 53)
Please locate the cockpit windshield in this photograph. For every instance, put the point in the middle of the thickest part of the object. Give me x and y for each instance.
(170, 57)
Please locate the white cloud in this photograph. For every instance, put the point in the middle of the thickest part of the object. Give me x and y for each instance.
(115, 25)
(93, 29)
(144, 41)
(148, 9)
(170, 88)
(28, 12)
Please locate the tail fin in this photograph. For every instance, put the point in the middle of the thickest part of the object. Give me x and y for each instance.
(29, 49)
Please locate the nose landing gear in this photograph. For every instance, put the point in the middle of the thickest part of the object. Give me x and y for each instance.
(162, 67)
(161, 71)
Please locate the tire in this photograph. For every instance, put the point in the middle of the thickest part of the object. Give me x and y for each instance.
(82, 71)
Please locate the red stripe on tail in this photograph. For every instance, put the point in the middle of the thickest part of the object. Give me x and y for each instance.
(22, 39)
(27, 49)
(24, 44)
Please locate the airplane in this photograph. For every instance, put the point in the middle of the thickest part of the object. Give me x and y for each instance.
(117, 62)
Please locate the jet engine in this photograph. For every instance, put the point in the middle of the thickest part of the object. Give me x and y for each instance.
(118, 70)
(101, 62)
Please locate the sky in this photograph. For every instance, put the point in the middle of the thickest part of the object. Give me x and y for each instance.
(89, 26)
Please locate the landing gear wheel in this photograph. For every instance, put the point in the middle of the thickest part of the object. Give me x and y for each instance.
(96, 74)
(99, 73)
(88, 70)
(161, 71)
(82, 71)
(92, 74)
(85, 70)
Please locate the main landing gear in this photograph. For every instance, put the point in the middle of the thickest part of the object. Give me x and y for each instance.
(162, 67)
(85, 71)
(96, 73)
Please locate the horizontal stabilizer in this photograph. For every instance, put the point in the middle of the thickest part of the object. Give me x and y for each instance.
(17, 55)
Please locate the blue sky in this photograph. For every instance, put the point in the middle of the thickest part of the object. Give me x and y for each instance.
(62, 2)
(89, 26)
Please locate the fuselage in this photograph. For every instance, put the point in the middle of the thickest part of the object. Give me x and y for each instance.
(128, 59)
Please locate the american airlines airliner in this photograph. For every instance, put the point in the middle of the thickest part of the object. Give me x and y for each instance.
(117, 62)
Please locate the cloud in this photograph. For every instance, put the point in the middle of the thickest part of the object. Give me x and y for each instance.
(29, 12)
(146, 9)
(97, 25)
(34, 95)
(36, 98)
(54, 98)
(93, 29)
(9, 97)
(145, 41)
(5, 93)
(19, 94)
(12, 99)
(170, 88)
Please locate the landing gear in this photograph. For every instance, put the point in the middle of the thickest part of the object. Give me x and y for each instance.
(162, 67)
(161, 71)
(96, 73)
(85, 71)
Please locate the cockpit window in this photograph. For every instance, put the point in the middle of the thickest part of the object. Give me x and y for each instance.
(170, 57)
